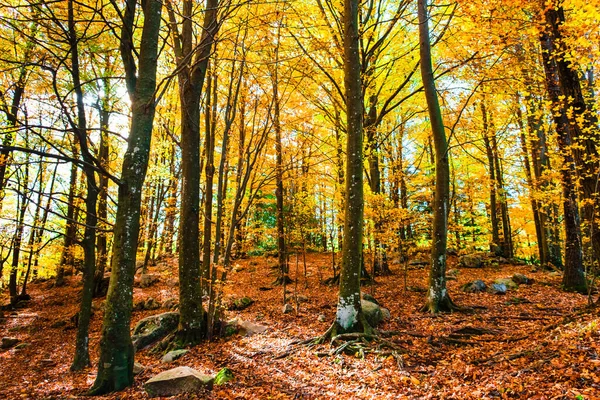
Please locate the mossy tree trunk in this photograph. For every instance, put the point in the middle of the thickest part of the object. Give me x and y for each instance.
(437, 295)
(349, 315)
(115, 366)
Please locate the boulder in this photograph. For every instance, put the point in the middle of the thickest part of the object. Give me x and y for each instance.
(372, 312)
(177, 381)
(508, 282)
(453, 272)
(498, 288)
(301, 299)
(322, 318)
(470, 261)
(521, 279)
(147, 280)
(153, 328)
(451, 251)
(8, 342)
(476, 286)
(173, 355)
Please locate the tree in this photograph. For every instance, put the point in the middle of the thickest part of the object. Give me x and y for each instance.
(192, 63)
(437, 295)
(349, 316)
(115, 365)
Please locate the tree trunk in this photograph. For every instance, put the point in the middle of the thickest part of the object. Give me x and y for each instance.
(573, 278)
(349, 315)
(115, 365)
(437, 296)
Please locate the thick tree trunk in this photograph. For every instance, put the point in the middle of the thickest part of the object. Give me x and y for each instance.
(583, 128)
(437, 295)
(573, 278)
(349, 315)
(115, 365)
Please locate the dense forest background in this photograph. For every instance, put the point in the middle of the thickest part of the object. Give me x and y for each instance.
(187, 137)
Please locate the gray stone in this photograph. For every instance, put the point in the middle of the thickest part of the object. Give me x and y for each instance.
(8, 342)
(147, 280)
(177, 381)
(138, 368)
(153, 328)
(474, 287)
(471, 261)
(498, 288)
(240, 304)
(322, 318)
(301, 298)
(521, 279)
(372, 312)
(287, 308)
(451, 251)
(508, 282)
(172, 282)
(173, 355)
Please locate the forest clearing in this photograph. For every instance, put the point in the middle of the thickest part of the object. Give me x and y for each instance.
(535, 342)
(299, 199)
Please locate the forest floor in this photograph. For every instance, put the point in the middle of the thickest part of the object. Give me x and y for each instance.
(539, 342)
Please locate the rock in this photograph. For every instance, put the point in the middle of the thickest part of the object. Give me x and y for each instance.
(368, 297)
(498, 288)
(521, 279)
(476, 286)
(147, 280)
(451, 251)
(508, 282)
(153, 328)
(502, 260)
(170, 304)
(138, 368)
(244, 328)
(386, 314)
(223, 376)
(177, 381)
(418, 263)
(240, 304)
(495, 249)
(173, 355)
(287, 308)
(372, 312)
(470, 261)
(8, 342)
(322, 318)
(151, 304)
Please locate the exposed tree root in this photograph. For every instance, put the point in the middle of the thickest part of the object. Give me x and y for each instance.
(444, 305)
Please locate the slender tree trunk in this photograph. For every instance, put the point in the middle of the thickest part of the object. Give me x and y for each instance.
(437, 295)
(493, 184)
(101, 236)
(115, 366)
(209, 173)
(18, 237)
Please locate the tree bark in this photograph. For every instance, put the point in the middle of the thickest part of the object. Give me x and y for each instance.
(115, 366)
(437, 295)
